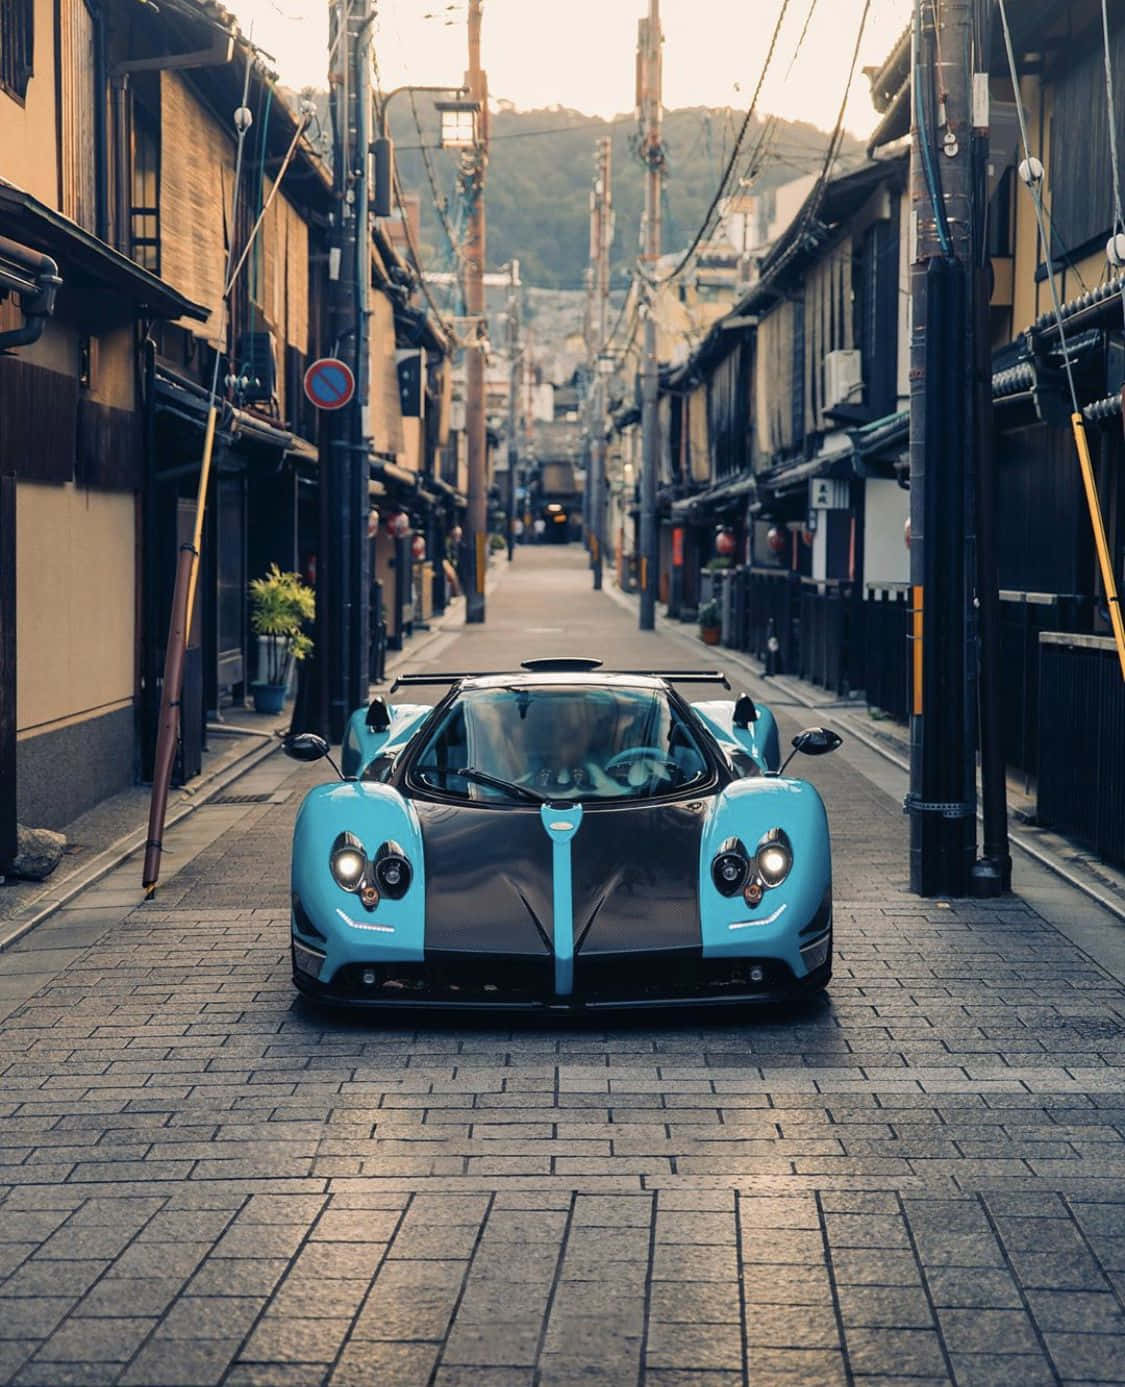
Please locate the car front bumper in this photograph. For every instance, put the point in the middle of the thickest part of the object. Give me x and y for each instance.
(486, 982)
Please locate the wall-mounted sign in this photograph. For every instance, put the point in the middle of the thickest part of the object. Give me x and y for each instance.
(828, 493)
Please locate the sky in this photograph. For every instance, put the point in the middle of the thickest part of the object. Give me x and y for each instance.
(580, 54)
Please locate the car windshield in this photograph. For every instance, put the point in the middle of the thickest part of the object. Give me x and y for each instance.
(531, 743)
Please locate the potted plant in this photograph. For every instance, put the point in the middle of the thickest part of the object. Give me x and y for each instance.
(280, 605)
(710, 622)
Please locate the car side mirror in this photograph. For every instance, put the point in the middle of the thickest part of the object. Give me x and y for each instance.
(813, 741)
(306, 746)
(745, 711)
(816, 741)
(378, 714)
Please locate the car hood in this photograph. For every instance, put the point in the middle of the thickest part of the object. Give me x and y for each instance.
(490, 878)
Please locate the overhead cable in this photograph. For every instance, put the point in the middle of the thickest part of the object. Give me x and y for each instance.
(724, 181)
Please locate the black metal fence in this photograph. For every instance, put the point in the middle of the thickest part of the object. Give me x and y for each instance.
(887, 651)
(1081, 754)
(1023, 617)
(825, 633)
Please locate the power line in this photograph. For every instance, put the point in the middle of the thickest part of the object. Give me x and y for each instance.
(705, 226)
(816, 197)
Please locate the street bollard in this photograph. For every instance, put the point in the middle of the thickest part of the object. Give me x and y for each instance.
(773, 646)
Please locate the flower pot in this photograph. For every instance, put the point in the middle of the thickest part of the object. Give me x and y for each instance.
(709, 635)
(268, 698)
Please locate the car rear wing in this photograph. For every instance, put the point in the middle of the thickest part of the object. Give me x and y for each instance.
(673, 676)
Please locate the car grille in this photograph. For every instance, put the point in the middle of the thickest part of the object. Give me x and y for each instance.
(498, 979)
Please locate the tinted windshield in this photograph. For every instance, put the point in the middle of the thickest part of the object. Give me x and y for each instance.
(560, 743)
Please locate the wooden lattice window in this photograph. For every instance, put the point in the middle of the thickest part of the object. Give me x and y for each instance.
(17, 40)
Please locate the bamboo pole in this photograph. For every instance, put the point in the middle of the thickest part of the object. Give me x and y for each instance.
(169, 715)
(1105, 562)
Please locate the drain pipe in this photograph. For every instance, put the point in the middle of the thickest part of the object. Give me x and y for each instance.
(35, 278)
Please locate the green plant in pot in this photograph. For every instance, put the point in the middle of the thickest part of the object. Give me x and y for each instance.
(280, 606)
(710, 623)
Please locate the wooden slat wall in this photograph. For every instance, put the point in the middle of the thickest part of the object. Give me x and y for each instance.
(699, 436)
(828, 324)
(774, 376)
(76, 67)
(196, 178)
(387, 433)
(109, 447)
(296, 279)
(38, 421)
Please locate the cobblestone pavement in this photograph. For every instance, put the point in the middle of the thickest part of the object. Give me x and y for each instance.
(916, 1180)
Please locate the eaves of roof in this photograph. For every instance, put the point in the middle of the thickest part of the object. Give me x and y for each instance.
(86, 263)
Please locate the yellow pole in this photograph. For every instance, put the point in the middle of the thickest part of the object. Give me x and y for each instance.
(1105, 562)
(916, 636)
(200, 509)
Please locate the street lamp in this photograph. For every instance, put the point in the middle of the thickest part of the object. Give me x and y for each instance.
(458, 123)
(383, 149)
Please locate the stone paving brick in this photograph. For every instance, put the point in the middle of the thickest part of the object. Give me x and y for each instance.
(915, 1180)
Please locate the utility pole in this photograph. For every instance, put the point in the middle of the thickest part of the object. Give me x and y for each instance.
(472, 182)
(515, 363)
(343, 566)
(992, 872)
(944, 432)
(601, 236)
(359, 577)
(652, 152)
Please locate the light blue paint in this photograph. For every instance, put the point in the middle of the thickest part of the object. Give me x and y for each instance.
(759, 739)
(562, 824)
(361, 745)
(748, 809)
(394, 932)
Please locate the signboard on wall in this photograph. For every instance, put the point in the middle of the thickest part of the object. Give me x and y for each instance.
(828, 493)
(410, 383)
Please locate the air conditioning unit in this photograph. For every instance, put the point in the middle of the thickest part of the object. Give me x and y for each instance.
(843, 378)
(255, 368)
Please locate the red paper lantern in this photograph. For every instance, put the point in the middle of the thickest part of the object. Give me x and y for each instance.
(372, 523)
(777, 540)
(399, 524)
(418, 547)
(724, 543)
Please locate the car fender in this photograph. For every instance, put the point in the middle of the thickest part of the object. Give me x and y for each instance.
(790, 915)
(759, 739)
(374, 813)
(362, 744)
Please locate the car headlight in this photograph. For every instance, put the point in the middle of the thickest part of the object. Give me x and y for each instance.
(774, 857)
(730, 868)
(348, 861)
(393, 872)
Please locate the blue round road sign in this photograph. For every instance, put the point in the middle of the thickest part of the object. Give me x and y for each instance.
(329, 383)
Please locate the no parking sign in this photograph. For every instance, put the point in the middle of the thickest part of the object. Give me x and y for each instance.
(329, 383)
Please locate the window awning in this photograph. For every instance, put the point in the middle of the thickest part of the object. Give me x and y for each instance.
(100, 284)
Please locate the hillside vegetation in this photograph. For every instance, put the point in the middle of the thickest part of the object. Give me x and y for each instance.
(540, 171)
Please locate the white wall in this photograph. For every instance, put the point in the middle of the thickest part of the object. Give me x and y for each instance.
(75, 555)
(886, 558)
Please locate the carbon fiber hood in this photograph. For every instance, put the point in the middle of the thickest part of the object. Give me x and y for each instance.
(489, 885)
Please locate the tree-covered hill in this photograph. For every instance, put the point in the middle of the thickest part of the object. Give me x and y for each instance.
(540, 171)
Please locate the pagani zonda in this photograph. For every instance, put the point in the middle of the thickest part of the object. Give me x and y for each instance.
(561, 836)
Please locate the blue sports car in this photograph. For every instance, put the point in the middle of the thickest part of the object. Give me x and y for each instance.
(561, 836)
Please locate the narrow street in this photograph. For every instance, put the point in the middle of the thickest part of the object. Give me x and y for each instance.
(918, 1178)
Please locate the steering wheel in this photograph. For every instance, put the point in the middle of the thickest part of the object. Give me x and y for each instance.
(632, 754)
